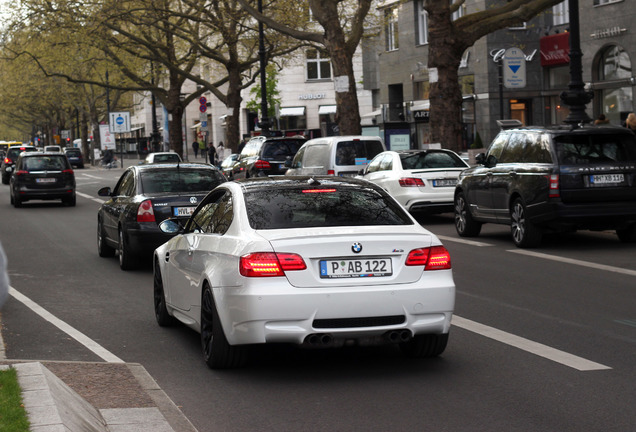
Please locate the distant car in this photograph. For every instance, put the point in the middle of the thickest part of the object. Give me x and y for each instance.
(53, 148)
(10, 159)
(551, 179)
(42, 176)
(266, 156)
(75, 157)
(162, 157)
(423, 181)
(127, 223)
(228, 164)
(341, 156)
(315, 261)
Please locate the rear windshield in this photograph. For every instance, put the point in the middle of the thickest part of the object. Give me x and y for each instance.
(595, 149)
(321, 207)
(167, 158)
(431, 159)
(77, 152)
(280, 149)
(357, 152)
(44, 163)
(14, 152)
(180, 180)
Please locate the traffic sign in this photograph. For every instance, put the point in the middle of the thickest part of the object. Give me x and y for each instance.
(203, 104)
(203, 108)
(119, 122)
(514, 68)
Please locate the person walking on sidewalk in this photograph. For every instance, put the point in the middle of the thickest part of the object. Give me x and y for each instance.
(195, 148)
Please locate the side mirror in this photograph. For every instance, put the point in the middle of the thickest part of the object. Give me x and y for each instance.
(481, 158)
(105, 192)
(491, 161)
(170, 226)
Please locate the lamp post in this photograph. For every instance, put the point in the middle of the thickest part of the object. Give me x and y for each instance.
(576, 97)
(264, 122)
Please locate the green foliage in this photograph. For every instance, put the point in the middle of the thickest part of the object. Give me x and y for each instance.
(271, 83)
(13, 417)
(477, 144)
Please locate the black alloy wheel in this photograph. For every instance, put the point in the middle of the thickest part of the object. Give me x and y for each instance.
(465, 225)
(127, 261)
(524, 233)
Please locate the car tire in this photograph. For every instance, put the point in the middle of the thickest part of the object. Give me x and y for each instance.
(103, 248)
(524, 233)
(627, 235)
(70, 201)
(127, 261)
(16, 201)
(164, 319)
(11, 196)
(423, 346)
(5, 179)
(217, 352)
(465, 225)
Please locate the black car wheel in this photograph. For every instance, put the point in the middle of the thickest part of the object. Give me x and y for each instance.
(430, 345)
(70, 201)
(465, 225)
(161, 311)
(524, 233)
(127, 261)
(627, 235)
(5, 179)
(217, 352)
(103, 249)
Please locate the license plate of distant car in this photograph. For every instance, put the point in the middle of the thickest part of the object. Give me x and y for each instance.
(347, 268)
(601, 179)
(45, 180)
(444, 183)
(183, 211)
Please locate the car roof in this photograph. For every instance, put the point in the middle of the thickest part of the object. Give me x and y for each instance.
(36, 154)
(569, 129)
(258, 183)
(173, 165)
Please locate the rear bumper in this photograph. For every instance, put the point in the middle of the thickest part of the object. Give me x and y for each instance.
(146, 237)
(604, 215)
(48, 194)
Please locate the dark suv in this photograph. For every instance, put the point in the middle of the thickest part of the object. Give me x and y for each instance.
(551, 179)
(8, 162)
(42, 176)
(266, 156)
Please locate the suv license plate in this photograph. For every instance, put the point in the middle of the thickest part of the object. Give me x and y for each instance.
(183, 211)
(444, 183)
(375, 267)
(45, 180)
(602, 179)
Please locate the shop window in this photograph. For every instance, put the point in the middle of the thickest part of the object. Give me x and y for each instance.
(391, 28)
(615, 64)
(318, 67)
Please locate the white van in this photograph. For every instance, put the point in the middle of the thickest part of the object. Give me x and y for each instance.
(336, 155)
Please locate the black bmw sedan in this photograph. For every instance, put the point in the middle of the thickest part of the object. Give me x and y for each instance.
(145, 195)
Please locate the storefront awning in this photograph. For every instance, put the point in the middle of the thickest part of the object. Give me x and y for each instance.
(326, 109)
(421, 105)
(291, 112)
(372, 113)
(223, 117)
(196, 125)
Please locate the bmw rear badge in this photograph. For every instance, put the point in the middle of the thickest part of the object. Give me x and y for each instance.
(356, 247)
(193, 200)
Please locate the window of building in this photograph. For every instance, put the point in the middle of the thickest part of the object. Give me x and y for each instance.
(561, 13)
(318, 66)
(391, 28)
(604, 2)
(421, 22)
(459, 12)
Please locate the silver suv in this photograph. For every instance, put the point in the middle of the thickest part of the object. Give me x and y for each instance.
(541, 179)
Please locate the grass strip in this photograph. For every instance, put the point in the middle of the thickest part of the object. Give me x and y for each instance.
(13, 416)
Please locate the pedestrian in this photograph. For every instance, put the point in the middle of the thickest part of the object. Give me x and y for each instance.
(240, 146)
(220, 152)
(195, 148)
(630, 122)
(212, 156)
(601, 120)
(202, 147)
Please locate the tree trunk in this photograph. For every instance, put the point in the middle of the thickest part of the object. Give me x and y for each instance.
(234, 100)
(174, 107)
(445, 94)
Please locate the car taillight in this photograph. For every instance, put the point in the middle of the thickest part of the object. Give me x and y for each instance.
(21, 172)
(331, 172)
(433, 258)
(145, 213)
(261, 164)
(261, 264)
(67, 171)
(554, 185)
(7, 160)
(411, 181)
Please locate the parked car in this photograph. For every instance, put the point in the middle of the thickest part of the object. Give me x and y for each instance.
(74, 156)
(8, 162)
(263, 156)
(423, 181)
(336, 155)
(53, 148)
(162, 157)
(562, 178)
(228, 165)
(42, 176)
(127, 223)
(315, 261)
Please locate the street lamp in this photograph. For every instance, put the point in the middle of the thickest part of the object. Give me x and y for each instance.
(264, 123)
(576, 97)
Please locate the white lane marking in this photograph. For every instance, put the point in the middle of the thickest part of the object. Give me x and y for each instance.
(462, 240)
(575, 262)
(91, 176)
(532, 347)
(97, 200)
(72, 332)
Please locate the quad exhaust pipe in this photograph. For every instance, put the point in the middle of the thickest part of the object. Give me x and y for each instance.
(398, 336)
(319, 339)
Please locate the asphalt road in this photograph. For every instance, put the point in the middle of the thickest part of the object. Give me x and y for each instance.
(542, 340)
